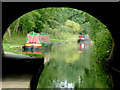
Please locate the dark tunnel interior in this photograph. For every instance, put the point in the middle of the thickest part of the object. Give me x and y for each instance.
(107, 13)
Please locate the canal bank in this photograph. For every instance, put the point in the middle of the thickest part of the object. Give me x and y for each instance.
(19, 71)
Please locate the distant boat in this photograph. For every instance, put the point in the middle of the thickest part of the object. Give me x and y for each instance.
(83, 38)
(37, 43)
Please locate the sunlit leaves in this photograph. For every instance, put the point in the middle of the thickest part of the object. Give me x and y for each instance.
(75, 26)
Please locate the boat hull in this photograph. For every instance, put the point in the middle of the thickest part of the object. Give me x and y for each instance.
(80, 40)
(37, 48)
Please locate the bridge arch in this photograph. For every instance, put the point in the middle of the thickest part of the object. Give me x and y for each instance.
(100, 11)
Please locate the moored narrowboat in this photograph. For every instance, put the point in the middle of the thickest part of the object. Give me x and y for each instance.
(37, 43)
(83, 38)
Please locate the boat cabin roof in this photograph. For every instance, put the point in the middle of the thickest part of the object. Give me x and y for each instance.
(37, 38)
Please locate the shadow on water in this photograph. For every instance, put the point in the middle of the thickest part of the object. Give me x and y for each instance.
(72, 65)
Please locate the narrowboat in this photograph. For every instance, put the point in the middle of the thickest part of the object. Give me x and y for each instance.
(83, 38)
(37, 43)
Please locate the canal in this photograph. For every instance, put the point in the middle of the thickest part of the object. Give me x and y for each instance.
(73, 65)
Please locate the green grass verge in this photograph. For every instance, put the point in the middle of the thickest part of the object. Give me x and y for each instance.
(17, 50)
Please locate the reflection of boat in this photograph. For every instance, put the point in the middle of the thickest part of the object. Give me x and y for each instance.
(84, 45)
(83, 38)
(37, 43)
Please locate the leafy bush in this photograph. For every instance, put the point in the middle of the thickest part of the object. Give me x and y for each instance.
(103, 44)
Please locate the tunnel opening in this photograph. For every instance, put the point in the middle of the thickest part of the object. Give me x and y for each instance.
(113, 51)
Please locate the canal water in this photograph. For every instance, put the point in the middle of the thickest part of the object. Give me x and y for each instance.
(73, 65)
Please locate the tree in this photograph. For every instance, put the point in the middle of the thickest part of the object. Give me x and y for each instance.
(17, 25)
(75, 26)
(9, 32)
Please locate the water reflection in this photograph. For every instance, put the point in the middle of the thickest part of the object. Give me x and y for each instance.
(84, 45)
(63, 84)
(46, 58)
(69, 69)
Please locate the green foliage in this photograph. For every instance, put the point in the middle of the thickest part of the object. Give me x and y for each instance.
(64, 24)
(28, 22)
(101, 37)
(17, 38)
(76, 28)
(55, 21)
(103, 44)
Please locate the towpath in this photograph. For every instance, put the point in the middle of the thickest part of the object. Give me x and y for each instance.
(19, 80)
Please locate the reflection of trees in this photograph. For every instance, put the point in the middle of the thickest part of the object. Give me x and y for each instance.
(63, 53)
(81, 71)
(46, 58)
(59, 70)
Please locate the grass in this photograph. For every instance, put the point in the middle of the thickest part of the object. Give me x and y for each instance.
(57, 40)
(18, 50)
(34, 54)
(17, 38)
